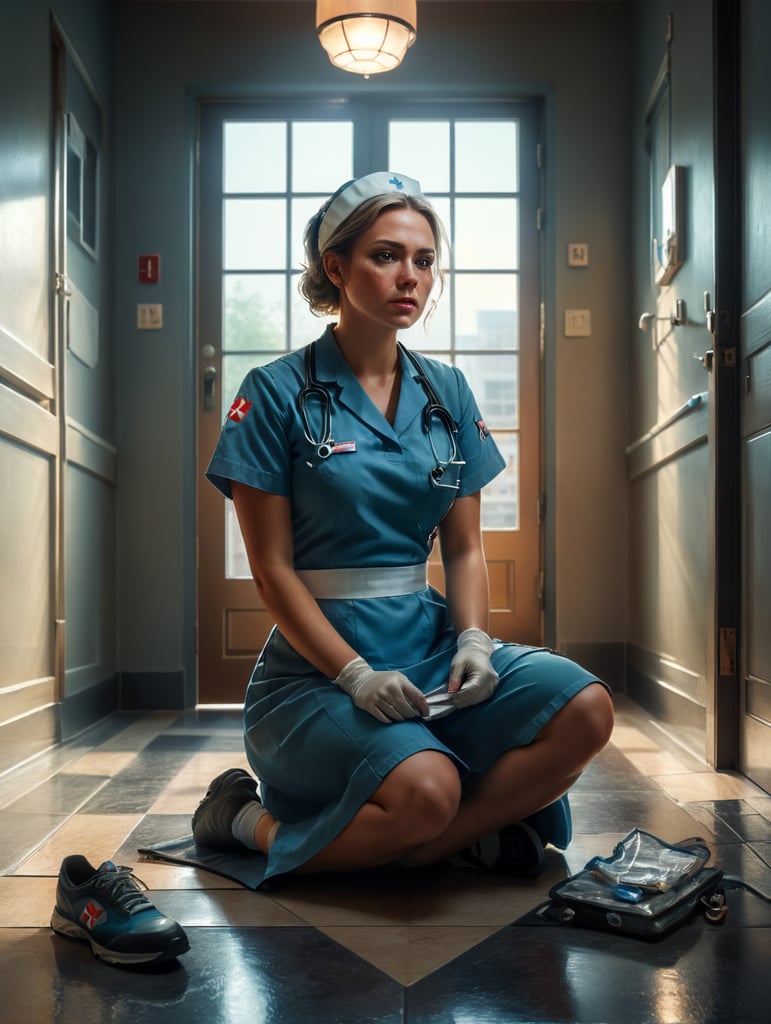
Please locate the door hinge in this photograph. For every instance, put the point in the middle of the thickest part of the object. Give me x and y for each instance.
(539, 155)
(540, 509)
(62, 285)
(539, 219)
(541, 591)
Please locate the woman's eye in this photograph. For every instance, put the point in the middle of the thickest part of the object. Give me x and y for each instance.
(386, 256)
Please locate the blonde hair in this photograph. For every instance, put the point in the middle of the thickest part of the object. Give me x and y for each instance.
(321, 294)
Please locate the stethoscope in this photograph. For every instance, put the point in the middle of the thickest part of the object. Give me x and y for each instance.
(434, 410)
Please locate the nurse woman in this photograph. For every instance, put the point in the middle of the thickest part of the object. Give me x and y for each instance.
(382, 723)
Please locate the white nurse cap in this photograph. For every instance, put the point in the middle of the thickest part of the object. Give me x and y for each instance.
(354, 193)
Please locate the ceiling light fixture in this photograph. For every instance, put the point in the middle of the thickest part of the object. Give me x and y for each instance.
(366, 37)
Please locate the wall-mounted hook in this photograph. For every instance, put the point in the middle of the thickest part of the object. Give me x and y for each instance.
(677, 318)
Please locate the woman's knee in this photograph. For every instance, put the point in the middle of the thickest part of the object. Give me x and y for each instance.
(423, 794)
(585, 724)
(592, 709)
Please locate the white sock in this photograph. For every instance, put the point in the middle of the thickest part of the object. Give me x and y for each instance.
(245, 823)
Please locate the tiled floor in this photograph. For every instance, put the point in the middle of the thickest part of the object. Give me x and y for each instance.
(441, 946)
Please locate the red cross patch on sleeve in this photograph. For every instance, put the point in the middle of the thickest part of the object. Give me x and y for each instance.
(239, 410)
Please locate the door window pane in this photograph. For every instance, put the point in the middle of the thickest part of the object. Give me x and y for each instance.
(302, 210)
(253, 312)
(486, 234)
(486, 311)
(500, 501)
(494, 379)
(255, 234)
(322, 155)
(421, 150)
(486, 156)
(254, 156)
(305, 326)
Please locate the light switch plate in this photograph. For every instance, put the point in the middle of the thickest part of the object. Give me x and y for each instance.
(149, 316)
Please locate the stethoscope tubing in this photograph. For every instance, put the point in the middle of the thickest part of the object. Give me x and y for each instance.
(315, 390)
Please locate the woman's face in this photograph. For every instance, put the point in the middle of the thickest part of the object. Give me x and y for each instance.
(388, 276)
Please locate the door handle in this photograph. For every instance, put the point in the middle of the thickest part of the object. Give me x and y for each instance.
(209, 388)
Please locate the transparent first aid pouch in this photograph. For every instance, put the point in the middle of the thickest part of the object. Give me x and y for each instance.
(645, 888)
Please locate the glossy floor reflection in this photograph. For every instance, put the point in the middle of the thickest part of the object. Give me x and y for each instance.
(441, 946)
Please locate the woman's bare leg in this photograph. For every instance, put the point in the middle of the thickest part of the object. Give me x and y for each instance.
(415, 802)
(525, 779)
(416, 815)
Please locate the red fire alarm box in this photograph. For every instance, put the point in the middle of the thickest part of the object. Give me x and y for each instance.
(149, 269)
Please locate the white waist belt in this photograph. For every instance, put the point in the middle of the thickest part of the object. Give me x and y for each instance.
(365, 581)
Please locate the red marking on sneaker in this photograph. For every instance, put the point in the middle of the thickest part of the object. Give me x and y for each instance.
(92, 914)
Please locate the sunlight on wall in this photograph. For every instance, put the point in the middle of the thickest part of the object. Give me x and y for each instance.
(24, 284)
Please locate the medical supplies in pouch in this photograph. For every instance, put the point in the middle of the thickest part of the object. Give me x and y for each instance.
(645, 889)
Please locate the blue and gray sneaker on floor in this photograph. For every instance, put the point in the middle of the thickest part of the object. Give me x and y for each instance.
(105, 907)
(213, 818)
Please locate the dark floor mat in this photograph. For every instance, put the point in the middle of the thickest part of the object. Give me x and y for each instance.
(248, 868)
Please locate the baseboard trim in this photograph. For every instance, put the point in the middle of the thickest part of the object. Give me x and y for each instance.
(152, 691)
(39, 730)
(671, 694)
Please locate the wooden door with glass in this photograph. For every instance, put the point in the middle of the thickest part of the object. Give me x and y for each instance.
(263, 171)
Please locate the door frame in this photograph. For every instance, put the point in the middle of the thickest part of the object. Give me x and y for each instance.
(724, 640)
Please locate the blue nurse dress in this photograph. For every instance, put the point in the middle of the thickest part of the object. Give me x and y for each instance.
(371, 504)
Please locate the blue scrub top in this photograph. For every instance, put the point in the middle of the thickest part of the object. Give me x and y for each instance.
(374, 503)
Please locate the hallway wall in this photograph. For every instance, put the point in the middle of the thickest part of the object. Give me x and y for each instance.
(669, 502)
(57, 636)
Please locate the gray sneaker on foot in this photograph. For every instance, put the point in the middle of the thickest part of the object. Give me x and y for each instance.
(213, 817)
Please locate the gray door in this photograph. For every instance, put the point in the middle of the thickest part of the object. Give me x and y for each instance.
(755, 149)
(87, 458)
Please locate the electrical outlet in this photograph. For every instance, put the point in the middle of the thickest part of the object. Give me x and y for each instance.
(149, 316)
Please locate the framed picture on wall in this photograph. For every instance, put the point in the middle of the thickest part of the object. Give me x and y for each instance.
(669, 241)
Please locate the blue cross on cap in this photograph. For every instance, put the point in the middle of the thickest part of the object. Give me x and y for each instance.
(357, 192)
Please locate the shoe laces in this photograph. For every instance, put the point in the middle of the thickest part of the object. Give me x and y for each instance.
(121, 888)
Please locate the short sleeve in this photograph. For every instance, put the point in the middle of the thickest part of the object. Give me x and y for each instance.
(253, 446)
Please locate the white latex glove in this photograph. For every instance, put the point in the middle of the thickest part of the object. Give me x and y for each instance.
(472, 676)
(388, 695)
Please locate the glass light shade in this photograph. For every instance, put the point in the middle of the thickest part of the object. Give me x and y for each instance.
(366, 38)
